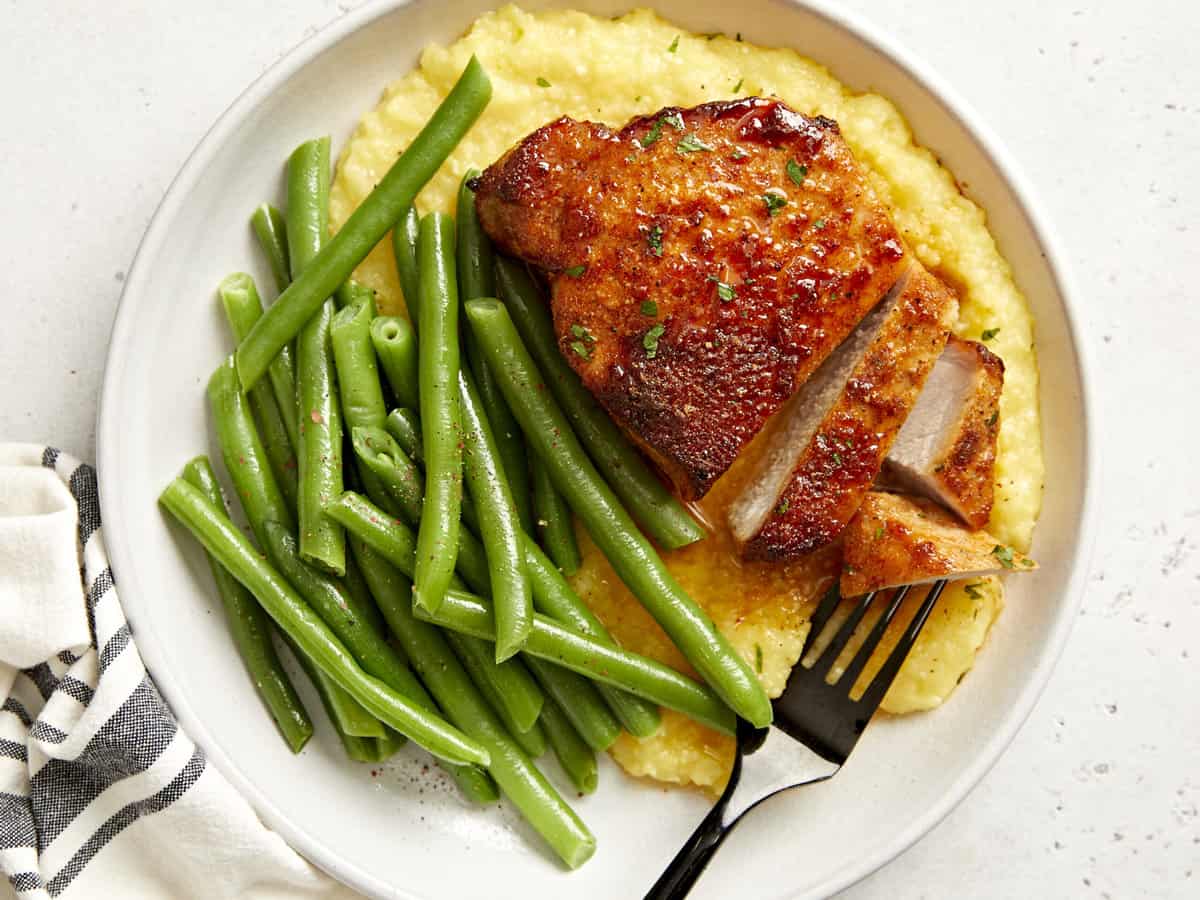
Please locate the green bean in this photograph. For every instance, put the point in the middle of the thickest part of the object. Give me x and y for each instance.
(364, 601)
(396, 542)
(498, 527)
(477, 278)
(633, 558)
(243, 453)
(381, 209)
(520, 697)
(308, 171)
(390, 467)
(251, 631)
(395, 344)
(404, 248)
(234, 551)
(556, 599)
(475, 654)
(271, 231)
(581, 702)
(405, 427)
(517, 777)
(593, 659)
(322, 542)
(358, 383)
(390, 587)
(243, 308)
(555, 525)
(348, 717)
(574, 755)
(441, 417)
(664, 518)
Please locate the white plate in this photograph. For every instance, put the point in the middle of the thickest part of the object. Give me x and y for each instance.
(401, 833)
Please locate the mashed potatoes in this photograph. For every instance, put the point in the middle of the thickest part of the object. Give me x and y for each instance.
(568, 63)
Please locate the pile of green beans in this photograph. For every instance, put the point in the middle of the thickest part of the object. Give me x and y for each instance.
(437, 607)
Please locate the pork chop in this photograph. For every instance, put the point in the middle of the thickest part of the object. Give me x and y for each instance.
(703, 263)
(947, 448)
(828, 444)
(895, 540)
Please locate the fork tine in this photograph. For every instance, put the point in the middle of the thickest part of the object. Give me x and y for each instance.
(820, 618)
(868, 647)
(874, 694)
(830, 654)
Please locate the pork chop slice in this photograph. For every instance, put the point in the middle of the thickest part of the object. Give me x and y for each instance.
(947, 448)
(702, 264)
(894, 539)
(828, 444)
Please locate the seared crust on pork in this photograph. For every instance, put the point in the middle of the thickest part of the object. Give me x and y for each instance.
(896, 539)
(702, 262)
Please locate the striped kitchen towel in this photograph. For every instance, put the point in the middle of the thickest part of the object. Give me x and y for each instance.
(101, 792)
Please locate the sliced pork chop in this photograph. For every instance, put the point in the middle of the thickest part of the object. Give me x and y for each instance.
(828, 445)
(703, 263)
(947, 448)
(895, 540)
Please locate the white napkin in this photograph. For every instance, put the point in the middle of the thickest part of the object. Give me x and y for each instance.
(101, 792)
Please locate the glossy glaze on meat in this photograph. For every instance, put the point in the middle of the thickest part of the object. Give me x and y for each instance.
(896, 539)
(703, 263)
(947, 448)
(828, 445)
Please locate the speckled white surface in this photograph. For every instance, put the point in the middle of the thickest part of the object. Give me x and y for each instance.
(1100, 104)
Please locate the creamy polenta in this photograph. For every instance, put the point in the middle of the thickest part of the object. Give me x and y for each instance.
(544, 65)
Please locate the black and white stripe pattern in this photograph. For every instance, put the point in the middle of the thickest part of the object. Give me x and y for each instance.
(87, 745)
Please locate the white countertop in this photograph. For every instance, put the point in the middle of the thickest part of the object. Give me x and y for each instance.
(1099, 102)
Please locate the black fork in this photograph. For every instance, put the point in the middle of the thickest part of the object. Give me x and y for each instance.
(816, 726)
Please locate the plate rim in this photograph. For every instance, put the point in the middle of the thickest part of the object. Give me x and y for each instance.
(862, 29)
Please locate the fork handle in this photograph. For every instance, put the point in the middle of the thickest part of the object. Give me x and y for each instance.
(690, 862)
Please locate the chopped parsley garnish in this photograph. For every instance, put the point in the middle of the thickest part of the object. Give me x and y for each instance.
(878, 532)
(819, 224)
(739, 153)
(973, 590)
(650, 340)
(837, 459)
(1004, 555)
(575, 271)
(737, 87)
(758, 658)
(989, 333)
(1028, 563)
(674, 119)
(775, 202)
(654, 240)
(691, 144)
(542, 82)
(992, 418)
(796, 172)
(582, 346)
(725, 291)
(649, 308)
(782, 507)
(674, 45)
